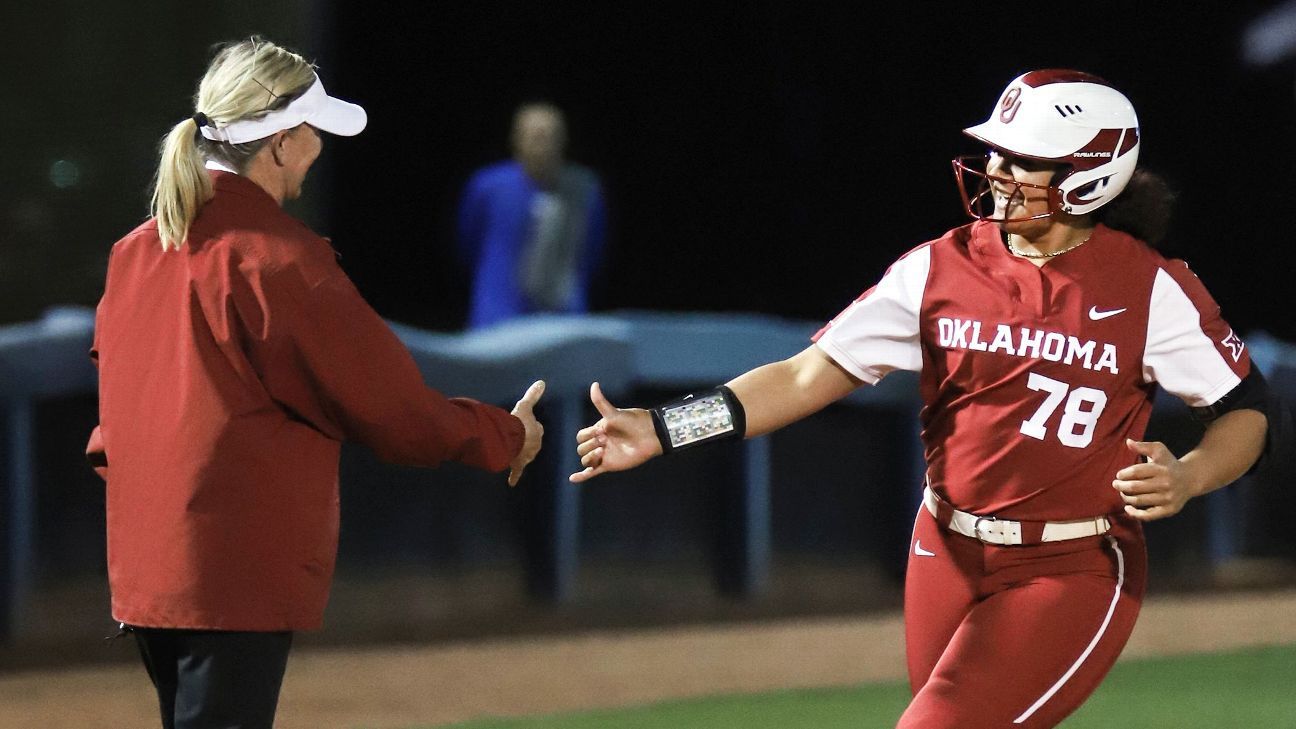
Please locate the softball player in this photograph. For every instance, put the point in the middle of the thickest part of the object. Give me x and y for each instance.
(1041, 331)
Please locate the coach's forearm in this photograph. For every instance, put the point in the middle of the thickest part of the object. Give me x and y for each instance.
(780, 393)
(1230, 446)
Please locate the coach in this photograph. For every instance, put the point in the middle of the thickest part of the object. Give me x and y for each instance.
(234, 358)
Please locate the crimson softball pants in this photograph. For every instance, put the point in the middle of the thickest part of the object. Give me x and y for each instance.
(1015, 636)
(208, 679)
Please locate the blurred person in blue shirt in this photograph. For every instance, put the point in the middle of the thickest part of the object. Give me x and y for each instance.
(531, 228)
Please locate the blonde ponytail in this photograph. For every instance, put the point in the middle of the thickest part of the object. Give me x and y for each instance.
(181, 187)
(245, 80)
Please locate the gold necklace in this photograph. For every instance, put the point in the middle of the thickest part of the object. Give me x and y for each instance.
(1024, 254)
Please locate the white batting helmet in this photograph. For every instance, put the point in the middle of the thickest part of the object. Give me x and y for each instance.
(1070, 118)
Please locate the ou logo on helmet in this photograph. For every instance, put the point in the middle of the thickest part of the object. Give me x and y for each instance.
(1010, 104)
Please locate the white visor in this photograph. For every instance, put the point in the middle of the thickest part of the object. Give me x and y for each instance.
(315, 107)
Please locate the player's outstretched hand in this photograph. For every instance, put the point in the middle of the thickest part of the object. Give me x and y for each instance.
(621, 439)
(1156, 488)
(534, 430)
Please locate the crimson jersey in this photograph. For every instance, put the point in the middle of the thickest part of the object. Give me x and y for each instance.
(1033, 377)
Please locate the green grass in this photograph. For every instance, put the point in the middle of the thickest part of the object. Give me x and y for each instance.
(1253, 688)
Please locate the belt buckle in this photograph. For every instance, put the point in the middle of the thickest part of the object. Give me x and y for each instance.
(976, 528)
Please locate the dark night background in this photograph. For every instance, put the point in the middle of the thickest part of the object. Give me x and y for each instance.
(776, 157)
(765, 156)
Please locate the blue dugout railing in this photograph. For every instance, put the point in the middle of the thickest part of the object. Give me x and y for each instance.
(49, 358)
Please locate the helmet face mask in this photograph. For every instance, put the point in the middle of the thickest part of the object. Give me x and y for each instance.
(980, 203)
(1066, 118)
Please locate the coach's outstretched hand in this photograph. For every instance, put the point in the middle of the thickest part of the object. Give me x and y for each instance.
(620, 440)
(534, 430)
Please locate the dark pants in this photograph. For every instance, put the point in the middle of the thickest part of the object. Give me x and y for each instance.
(215, 679)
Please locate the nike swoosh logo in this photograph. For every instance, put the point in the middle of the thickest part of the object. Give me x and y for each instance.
(1096, 315)
(918, 550)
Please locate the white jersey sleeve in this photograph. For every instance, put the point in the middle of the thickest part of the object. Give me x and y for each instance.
(1190, 351)
(879, 332)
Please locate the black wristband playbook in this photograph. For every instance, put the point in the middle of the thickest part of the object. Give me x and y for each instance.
(702, 417)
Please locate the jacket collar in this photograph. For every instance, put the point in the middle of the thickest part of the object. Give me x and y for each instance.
(233, 184)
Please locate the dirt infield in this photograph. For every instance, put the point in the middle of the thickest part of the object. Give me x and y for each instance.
(399, 687)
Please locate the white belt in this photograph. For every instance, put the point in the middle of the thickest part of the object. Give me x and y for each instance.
(1006, 532)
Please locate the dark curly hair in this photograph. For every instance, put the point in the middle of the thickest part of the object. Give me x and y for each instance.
(1142, 209)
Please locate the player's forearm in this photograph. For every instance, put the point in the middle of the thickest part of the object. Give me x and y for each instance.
(1230, 446)
(780, 393)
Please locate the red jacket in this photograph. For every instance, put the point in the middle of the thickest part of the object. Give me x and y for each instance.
(230, 372)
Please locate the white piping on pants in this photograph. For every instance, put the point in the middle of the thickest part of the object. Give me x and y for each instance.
(1111, 609)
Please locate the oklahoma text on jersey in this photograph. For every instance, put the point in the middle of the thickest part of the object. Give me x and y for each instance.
(956, 333)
